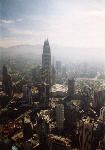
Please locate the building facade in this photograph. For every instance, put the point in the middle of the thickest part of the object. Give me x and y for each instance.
(99, 98)
(71, 84)
(46, 63)
(85, 134)
(44, 93)
(7, 82)
(58, 66)
(27, 94)
(102, 113)
(60, 116)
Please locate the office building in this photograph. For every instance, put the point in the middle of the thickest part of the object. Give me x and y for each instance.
(27, 94)
(46, 63)
(60, 116)
(71, 83)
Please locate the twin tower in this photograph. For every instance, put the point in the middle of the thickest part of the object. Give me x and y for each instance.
(46, 63)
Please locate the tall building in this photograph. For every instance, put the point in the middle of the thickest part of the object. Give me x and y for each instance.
(86, 96)
(85, 134)
(36, 75)
(53, 73)
(71, 84)
(7, 82)
(46, 63)
(44, 94)
(27, 94)
(99, 98)
(102, 113)
(60, 116)
(42, 131)
(58, 66)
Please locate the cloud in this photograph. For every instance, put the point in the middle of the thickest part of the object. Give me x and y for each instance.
(7, 21)
(19, 20)
(17, 31)
(4, 21)
(75, 23)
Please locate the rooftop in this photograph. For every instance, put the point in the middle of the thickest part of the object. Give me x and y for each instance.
(59, 88)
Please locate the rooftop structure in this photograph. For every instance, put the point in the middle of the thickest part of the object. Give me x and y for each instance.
(58, 142)
(59, 89)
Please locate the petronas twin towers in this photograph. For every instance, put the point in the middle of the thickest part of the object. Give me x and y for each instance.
(46, 63)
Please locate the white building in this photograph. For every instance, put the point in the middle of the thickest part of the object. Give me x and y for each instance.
(58, 90)
(60, 116)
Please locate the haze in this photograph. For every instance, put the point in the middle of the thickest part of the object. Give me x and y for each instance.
(68, 24)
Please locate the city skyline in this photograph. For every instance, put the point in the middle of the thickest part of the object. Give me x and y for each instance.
(52, 74)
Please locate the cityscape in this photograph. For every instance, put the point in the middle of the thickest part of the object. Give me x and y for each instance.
(52, 97)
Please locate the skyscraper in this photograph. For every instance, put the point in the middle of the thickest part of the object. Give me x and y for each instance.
(86, 134)
(44, 91)
(27, 94)
(58, 66)
(46, 63)
(60, 116)
(71, 84)
(7, 82)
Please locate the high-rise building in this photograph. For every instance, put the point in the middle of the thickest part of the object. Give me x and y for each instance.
(44, 94)
(71, 83)
(7, 82)
(46, 63)
(102, 113)
(53, 75)
(36, 75)
(85, 134)
(58, 66)
(27, 94)
(99, 98)
(43, 131)
(60, 116)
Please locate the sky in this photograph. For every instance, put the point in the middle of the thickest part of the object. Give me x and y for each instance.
(71, 23)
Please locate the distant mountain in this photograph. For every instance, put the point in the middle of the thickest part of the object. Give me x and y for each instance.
(22, 49)
(26, 52)
(66, 54)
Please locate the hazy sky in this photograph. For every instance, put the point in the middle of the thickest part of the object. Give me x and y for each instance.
(74, 23)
